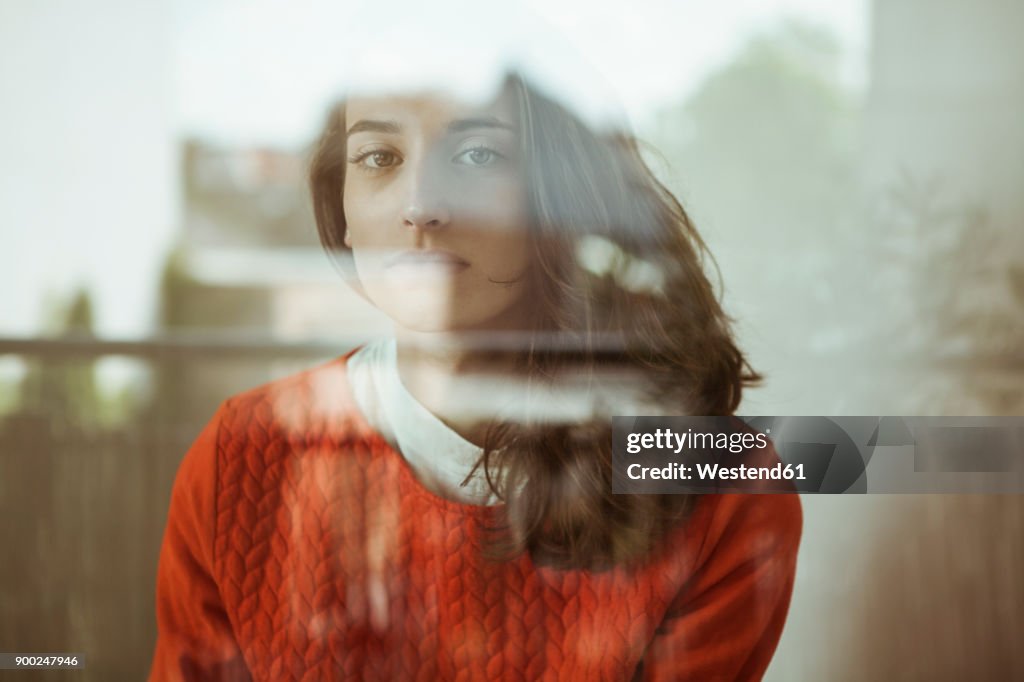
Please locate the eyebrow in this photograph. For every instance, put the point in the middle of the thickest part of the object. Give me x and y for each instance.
(458, 126)
(465, 124)
(366, 126)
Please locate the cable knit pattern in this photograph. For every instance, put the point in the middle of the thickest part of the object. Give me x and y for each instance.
(300, 546)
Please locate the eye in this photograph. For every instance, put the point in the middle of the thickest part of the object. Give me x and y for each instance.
(479, 156)
(376, 159)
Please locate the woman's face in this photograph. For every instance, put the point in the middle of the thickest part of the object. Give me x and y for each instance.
(434, 203)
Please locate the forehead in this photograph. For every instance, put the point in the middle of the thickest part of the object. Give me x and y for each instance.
(428, 110)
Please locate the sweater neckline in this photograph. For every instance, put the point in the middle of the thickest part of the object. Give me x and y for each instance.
(427, 444)
(379, 445)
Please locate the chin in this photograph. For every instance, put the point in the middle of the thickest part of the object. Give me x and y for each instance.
(443, 323)
(441, 314)
(428, 321)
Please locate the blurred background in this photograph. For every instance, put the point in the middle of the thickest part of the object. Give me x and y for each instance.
(855, 166)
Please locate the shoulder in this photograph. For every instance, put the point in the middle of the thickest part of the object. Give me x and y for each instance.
(748, 530)
(755, 523)
(260, 446)
(761, 518)
(725, 530)
(314, 403)
(254, 433)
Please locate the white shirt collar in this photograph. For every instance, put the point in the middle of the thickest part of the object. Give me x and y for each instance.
(428, 444)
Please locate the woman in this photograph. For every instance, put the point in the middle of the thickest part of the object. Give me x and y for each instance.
(438, 505)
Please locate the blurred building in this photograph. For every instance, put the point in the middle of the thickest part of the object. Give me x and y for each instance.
(245, 197)
(248, 227)
(248, 268)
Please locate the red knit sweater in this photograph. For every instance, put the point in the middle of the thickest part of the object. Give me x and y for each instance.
(300, 546)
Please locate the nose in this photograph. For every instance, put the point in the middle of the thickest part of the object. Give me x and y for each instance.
(425, 206)
(419, 214)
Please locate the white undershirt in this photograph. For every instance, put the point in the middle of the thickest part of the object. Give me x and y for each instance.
(434, 450)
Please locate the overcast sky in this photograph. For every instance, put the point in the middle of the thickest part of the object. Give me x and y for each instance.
(98, 95)
(269, 81)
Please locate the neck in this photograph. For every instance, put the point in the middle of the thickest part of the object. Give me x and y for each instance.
(457, 377)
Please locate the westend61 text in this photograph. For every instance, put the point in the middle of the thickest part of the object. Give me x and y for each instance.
(716, 472)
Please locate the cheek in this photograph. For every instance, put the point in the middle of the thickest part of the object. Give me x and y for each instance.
(363, 219)
(499, 200)
(360, 213)
(496, 217)
(503, 252)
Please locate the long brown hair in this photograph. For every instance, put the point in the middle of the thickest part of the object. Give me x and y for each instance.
(642, 305)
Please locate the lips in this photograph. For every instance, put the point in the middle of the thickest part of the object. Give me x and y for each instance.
(428, 257)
